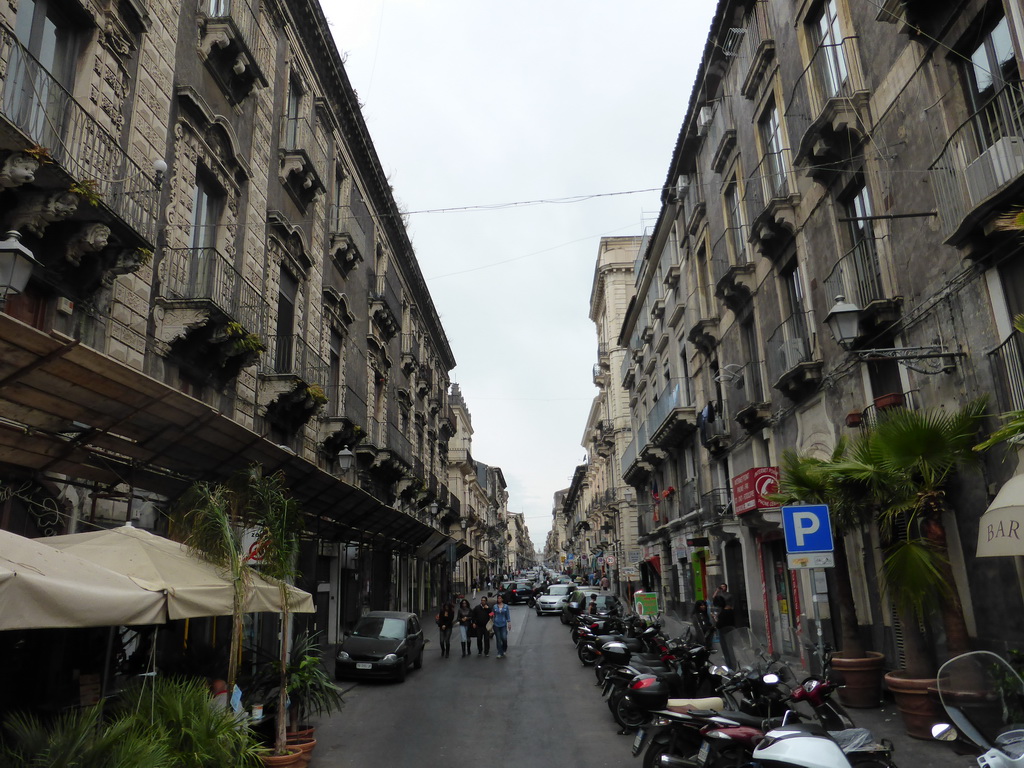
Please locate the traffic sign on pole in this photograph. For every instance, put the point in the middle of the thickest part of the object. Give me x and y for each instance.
(807, 529)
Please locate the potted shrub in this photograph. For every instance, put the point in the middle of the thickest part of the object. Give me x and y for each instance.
(310, 690)
(177, 714)
(905, 463)
(812, 480)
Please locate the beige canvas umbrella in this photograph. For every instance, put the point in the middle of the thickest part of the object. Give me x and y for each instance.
(194, 587)
(1002, 526)
(42, 587)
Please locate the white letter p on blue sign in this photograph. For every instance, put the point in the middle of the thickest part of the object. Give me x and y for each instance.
(807, 529)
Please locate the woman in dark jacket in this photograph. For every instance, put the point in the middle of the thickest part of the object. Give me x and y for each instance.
(445, 621)
(702, 622)
(481, 615)
(464, 618)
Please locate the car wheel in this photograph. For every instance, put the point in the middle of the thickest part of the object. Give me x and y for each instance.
(418, 663)
(562, 618)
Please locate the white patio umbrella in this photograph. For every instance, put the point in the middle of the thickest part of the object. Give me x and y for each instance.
(42, 587)
(194, 587)
(1002, 526)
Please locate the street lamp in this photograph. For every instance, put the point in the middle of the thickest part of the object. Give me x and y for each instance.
(16, 264)
(843, 320)
(345, 459)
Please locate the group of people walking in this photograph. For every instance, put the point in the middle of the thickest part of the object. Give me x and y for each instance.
(480, 622)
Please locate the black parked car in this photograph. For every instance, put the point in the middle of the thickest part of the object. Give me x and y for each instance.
(514, 592)
(579, 602)
(383, 644)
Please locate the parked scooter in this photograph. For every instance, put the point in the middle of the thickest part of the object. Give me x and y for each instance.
(984, 699)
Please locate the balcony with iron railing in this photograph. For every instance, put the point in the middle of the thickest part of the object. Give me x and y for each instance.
(857, 276)
(400, 446)
(234, 47)
(731, 268)
(825, 110)
(203, 277)
(981, 164)
(410, 352)
(351, 232)
(794, 367)
(719, 126)
(385, 305)
(47, 115)
(715, 505)
(1007, 365)
(757, 48)
(673, 415)
(771, 197)
(694, 206)
(752, 411)
(291, 355)
(887, 404)
(303, 159)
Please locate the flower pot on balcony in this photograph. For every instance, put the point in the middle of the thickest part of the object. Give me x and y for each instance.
(892, 400)
(854, 418)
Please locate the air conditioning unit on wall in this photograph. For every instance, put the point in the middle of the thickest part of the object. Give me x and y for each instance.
(704, 119)
(995, 168)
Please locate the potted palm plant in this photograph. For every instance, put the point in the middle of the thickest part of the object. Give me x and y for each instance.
(808, 479)
(906, 463)
(210, 519)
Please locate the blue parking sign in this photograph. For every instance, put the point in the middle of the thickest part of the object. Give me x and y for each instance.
(807, 529)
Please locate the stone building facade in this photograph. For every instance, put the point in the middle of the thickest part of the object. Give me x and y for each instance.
(222, 278)
(833, 153)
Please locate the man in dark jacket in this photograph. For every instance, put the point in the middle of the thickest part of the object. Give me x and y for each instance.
(481, 615)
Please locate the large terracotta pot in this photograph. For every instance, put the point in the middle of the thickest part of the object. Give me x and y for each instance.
(919, 709)
(863, 676)
(291, 760)
(304, 743)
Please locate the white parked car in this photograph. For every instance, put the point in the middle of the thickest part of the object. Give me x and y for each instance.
(553, 599)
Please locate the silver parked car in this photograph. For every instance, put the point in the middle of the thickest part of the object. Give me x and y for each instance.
(553, 599)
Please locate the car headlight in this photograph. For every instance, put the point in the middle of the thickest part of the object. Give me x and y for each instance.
(390, 658)
(343, 656)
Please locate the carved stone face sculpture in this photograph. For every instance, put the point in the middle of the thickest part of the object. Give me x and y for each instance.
(60, 205)
(18, 169)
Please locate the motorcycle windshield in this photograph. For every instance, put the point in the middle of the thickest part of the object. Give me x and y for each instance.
(741, 648)
(984, 698)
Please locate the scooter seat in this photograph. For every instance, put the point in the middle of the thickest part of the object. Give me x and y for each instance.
(715, 703)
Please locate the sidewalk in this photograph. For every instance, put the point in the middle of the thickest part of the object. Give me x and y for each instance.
(884, 722)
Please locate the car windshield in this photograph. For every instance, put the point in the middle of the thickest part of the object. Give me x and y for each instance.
(380, 627)
(559, 589)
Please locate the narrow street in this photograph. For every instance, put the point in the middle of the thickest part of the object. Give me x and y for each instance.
(537, 707)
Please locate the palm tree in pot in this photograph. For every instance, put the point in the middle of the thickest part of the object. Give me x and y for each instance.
(812, 480)
(906, 464)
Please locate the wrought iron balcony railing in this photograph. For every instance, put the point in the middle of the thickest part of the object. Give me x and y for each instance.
(245, 20)
(356, 222)
(1007, 363)
(299, 135)
(857, 275)
(982, 157)
(770, 181)
(290, 354)
(37, 104)
(203, 274)
(678, 393)
(789, 345)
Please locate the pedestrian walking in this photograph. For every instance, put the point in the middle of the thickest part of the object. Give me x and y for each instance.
(605, 583)
(702, 623)
(464, 617)
(445, 622)
(502, 618)
(482, 615)
(724, 602)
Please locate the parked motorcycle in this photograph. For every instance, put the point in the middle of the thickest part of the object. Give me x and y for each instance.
(984, 699)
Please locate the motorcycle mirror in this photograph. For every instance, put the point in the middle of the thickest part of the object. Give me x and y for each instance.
(943, 732)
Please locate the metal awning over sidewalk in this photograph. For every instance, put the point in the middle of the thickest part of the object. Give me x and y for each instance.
(66, 408)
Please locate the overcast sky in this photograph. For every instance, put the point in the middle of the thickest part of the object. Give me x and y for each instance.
(485, 104)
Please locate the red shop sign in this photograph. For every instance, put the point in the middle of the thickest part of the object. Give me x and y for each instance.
(750, 489)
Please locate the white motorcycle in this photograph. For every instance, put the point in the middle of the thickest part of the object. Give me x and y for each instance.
(984, 698)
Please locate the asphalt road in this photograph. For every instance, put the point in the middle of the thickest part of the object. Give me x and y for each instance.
(535, 708)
